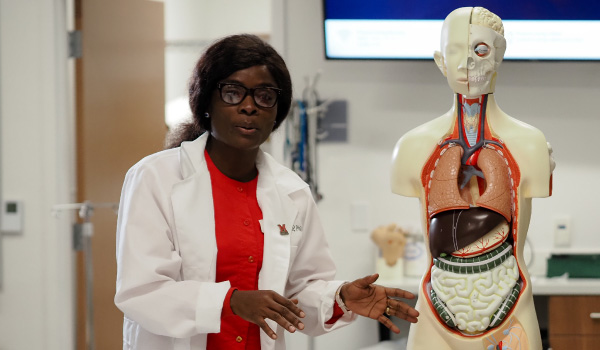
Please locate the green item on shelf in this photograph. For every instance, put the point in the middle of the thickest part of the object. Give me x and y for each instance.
(576, 265)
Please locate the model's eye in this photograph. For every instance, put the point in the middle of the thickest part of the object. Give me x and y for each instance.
(482, 49)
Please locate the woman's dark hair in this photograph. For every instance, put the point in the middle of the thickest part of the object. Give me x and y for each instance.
(223, 58)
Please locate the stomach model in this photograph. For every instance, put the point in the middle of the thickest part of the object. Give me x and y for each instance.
(474, 279)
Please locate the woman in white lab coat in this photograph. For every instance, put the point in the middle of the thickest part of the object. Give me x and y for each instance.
(180, 234)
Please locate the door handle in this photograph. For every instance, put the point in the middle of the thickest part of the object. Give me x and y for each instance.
(595, 315)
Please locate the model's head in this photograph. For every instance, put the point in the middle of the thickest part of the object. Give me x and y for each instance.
(472, 48)
(227, 56)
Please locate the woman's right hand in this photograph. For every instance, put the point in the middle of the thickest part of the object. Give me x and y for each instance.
(257, 305)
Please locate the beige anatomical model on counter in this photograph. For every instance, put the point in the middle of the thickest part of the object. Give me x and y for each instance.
(391, 240)
(475, 170)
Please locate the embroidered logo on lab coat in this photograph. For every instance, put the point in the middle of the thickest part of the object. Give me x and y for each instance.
(282, 230)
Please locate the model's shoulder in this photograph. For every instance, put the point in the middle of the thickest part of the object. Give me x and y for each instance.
(514, 130)
(423, 137)
(517, 123)
(433, 129)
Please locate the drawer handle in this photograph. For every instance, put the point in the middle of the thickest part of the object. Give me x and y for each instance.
(595, 315)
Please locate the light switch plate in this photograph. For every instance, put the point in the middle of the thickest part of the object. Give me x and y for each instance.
(562, 232)
(11, 216)
(359, 215)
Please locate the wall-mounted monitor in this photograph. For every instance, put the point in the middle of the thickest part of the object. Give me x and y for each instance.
(398, 29)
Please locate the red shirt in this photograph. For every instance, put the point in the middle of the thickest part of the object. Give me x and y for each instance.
(240, 254)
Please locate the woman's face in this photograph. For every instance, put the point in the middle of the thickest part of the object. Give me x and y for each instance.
(243, 126)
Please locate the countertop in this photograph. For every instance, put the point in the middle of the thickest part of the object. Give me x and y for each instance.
(565, 286)
(541, 285)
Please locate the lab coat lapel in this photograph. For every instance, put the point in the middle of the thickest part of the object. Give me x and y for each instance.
(194, 217)
(194, 214)
(279, 215)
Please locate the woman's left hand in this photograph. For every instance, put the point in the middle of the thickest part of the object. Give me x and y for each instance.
(371, 300)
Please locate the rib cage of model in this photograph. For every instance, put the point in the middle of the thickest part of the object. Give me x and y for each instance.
(475, 170)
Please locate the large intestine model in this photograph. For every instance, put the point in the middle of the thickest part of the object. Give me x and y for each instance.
(475, 170)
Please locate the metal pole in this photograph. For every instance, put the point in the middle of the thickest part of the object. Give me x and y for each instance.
(86, 231)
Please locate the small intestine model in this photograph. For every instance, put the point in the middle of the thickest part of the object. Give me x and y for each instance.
(475, 170)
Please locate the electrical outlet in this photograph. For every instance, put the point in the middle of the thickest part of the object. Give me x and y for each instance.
(562, 232)
(359, 215)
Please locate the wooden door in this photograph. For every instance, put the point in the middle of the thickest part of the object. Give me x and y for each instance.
(120, 119)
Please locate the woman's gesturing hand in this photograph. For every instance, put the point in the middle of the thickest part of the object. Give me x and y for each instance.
(372, 300)
(257, 305)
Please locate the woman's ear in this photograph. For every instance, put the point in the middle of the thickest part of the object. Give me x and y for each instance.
(439, 60)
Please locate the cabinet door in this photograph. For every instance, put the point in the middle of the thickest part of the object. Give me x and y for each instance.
(574, 342)
(570, 315)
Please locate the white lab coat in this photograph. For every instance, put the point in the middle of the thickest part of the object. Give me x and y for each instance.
(167, 253)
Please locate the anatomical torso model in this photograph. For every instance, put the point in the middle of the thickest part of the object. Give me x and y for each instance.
(475, 170)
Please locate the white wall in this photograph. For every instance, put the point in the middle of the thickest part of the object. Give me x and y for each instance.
(386, 99)
(36, 307)
(190, 26)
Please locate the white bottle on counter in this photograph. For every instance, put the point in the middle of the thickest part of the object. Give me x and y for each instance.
(415, 256)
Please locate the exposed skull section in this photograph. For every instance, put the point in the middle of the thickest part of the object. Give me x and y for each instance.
(481, 60)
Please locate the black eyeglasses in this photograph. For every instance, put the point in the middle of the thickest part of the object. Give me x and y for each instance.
(234, 94)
